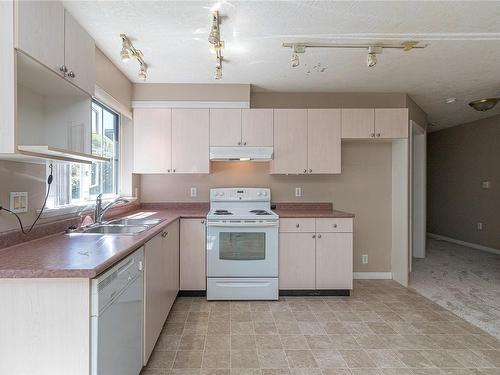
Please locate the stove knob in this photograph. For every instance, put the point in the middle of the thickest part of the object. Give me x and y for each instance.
(264, 193)
(259, 193)
(221, 193)
(216, 193)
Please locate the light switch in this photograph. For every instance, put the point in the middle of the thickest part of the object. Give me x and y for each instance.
(19, 201)
(298, 192)
(194, 192)
(486, 184)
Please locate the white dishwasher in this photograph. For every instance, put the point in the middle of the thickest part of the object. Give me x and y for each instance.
(117, 318)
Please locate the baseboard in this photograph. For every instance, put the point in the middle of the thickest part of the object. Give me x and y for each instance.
(463, 243)
(372, 275)
(314, 292)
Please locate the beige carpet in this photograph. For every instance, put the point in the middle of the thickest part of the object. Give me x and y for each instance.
(463, 280)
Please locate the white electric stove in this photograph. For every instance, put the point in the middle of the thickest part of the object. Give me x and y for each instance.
(242, 245)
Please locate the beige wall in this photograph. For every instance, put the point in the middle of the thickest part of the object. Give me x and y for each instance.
(416, 113)
(112, 80)
(192, 92)
(459, 160)
(326, 100)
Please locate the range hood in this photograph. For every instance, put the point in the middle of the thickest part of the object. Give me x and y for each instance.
(241, 153)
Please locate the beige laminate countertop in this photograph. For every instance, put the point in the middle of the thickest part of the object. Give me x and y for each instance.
(81, 255)
(311, 213)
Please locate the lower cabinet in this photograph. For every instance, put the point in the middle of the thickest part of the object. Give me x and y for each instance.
(161, 282)
(193, 274)
(315, 253)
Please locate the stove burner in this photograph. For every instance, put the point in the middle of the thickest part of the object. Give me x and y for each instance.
(260, 212)
(222, 212)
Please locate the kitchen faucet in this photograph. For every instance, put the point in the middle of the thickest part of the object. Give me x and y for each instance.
(100, 210)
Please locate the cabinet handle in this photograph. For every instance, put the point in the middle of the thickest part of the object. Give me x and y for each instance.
(168, 170)
(305, 170)
(372, 135)
(71, 74)
(164, 234)
(378, 134)
(63, 69)
(173, 170)
(239, 143)
(310, 170)
(335, 225)
(203, 221)
(244, 143)
(319, 235)
(297, 225)
(314, 236)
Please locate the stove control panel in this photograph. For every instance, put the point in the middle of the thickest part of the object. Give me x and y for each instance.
(240, 194)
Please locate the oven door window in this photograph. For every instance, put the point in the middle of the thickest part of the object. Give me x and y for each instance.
(242, 246)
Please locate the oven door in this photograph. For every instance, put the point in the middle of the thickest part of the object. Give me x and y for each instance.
(238, 249)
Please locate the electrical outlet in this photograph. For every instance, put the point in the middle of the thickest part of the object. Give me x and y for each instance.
(486, 185)
(298, 191)
(479, 226)
(194, 192)
(364, 258)
(19, 201)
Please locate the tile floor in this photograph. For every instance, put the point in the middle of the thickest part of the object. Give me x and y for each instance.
(463, 280)
(381, 329)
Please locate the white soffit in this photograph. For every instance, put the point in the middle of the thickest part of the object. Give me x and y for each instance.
(461, 61)
(187, 104)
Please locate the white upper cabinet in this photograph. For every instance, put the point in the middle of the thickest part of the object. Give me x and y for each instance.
(257, 127)
(383, 123)
(40, 31)
(290, 141)
(190, 141)
(306, 141)
(225, 127)
(391, 123)
(358, 123)
(152, 140)
(79, 55)
(323, 141)
(49, 34)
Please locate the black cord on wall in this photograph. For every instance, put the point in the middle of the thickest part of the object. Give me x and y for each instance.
(49, 182)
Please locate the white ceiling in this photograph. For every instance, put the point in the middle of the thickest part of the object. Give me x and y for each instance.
(462, 59)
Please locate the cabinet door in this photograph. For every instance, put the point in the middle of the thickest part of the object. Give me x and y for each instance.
(290, 141)
(152, 140)
(334, 261)
(190, 141)
(155, 292)
(296, 260)
(358, 123)
(192, 255)
(172, 248)
(323, 141)
(391, 123)
(257, 127)
(40, 31)
(79, 55)
(225, 127)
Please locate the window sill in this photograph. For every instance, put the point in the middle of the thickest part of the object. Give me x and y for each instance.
(80, 207)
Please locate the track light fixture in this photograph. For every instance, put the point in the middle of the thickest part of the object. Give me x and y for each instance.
(128, 51)
(216, 43)
(371, 58)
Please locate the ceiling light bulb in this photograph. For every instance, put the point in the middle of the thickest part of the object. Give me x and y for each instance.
(371, 59)
(294, 61)
(143, 74)
(125, 55)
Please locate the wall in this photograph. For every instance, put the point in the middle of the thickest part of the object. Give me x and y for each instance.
(416, 113)
(459, 159)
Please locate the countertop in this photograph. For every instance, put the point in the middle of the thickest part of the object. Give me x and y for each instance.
(86, 256)
(82, 255)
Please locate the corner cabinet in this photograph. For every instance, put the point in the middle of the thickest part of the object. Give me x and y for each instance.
(161, 283)
(49, 34)
(316, 254)
(307, 141)
(375, 123)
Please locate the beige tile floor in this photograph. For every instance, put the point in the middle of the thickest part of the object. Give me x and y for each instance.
(381, 329)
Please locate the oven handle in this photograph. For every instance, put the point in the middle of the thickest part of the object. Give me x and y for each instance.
(243, 225)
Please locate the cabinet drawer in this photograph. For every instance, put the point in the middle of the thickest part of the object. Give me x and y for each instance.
(334, 225)
(297, 225)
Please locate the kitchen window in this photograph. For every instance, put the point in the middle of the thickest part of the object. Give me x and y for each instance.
(77, 184)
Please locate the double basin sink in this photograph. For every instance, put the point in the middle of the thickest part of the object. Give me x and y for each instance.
(128, 226)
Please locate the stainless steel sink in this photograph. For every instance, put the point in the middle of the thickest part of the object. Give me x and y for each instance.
(132, 221)
(114, 229)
